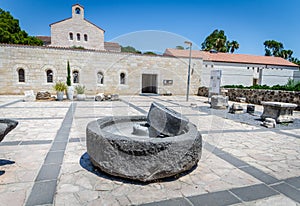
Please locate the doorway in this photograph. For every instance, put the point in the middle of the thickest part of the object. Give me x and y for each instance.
(149, 83)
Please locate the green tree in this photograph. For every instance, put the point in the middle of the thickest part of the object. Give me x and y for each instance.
(232, 46)
(11, 33)
(217, 40)
(275, 48)
(68, 74)
(180, 47)
(150, 53)
(130, 49)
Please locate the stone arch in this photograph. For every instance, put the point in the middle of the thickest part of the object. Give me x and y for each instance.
(17, 69)
(71, 37)
(76, 76)
(49, 76)
(21, 75)
(48, 69)
(123, 77)
(100, 77)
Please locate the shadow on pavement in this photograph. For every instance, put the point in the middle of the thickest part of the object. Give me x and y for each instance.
(87, 165)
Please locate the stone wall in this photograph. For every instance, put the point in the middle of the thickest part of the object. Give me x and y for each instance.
(256, 96)
(171, 72)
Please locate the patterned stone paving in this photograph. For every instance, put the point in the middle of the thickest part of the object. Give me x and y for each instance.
(44, 160)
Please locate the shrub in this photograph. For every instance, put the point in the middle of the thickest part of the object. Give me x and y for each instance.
(60, 86)
(80, 89)
(291, 85)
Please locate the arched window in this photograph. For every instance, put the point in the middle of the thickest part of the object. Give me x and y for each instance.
(49, 74)
(100, 78)
(78, 37)
(21, 75)
(85, 37)
(75, 77)
(122, 78)
(71, 36)
(77, 10)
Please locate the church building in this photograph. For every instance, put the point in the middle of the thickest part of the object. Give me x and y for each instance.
(77, 32)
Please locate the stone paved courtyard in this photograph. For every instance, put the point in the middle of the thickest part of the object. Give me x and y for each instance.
(44, 161)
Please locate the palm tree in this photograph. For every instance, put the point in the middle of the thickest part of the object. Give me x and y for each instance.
(217, 40)
(234, 45)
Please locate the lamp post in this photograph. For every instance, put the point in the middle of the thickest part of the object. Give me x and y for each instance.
(189, 70)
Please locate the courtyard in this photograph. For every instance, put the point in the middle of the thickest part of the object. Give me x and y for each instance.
(43, 161)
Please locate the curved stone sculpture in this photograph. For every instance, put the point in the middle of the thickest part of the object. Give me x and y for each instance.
(140, 157)
(6, 125)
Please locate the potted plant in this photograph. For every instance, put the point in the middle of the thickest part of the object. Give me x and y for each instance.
(70, 90)
(60, 88)
(80, 92)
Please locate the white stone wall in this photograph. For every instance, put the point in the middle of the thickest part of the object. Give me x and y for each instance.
(297, 75)
(277, 75)
(60, 34)
(36, 60)
(243, 74)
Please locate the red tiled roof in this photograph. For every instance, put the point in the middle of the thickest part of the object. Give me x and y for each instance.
(231, 58)
(45, 39)
(111, 44)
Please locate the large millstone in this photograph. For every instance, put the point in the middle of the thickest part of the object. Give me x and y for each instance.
(140, 157)
(6, 125)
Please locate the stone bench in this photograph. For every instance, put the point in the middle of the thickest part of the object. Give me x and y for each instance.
(281, 112)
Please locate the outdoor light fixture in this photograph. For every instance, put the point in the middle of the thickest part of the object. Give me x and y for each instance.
(189, 70)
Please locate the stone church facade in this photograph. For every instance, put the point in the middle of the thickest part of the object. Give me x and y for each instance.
(77, 32)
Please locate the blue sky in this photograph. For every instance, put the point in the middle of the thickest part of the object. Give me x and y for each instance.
(250, 22)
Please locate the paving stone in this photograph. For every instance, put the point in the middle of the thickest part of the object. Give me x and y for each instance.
(58, 146)
(171, 202)
(54, 157)
(214, 199)
(253, 192)
(289, 191)
(48, 172)
(294, 181)
(33, 142)
(232, 160)
(42, 193)
(259, 175)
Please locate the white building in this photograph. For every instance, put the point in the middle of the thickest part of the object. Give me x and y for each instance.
(242, 69)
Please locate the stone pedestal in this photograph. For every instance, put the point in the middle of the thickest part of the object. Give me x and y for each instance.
(29, 96)
(219, 102)
(281, 112)
(236, 109)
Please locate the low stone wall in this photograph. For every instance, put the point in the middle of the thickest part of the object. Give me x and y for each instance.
(256, 96)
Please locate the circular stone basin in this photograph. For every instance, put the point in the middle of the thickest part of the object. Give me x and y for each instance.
(115, 150)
